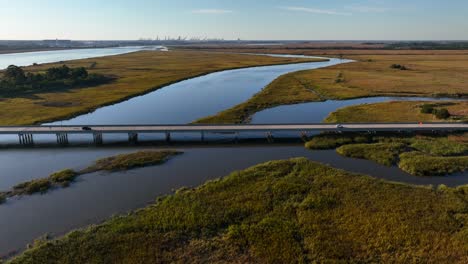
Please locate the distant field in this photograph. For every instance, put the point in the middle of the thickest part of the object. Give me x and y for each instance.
(135, 73)
(397, 111)
(439, 75)
(426, 75)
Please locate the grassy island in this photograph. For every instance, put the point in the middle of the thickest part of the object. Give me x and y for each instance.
(417, 155)
(64, 178)
(132, 160)
(292, 211)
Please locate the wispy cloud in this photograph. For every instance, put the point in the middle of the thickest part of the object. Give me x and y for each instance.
(211, 11)
(367, 9)
(315, 11)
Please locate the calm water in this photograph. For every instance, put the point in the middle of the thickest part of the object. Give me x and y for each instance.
(184, 102)
(29, 58)
(97, 196)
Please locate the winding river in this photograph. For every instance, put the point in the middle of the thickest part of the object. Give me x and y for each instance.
(39, 57)
(97, 196)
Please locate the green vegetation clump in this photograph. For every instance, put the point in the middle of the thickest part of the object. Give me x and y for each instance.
(329, 141)
(439, 146)
(292, 211)
(132, 160)
(16, 82)
(382, 153)
(399, 67)
(427, 109)
(32, 187)
(440, 155)
(64, 177)
(420, 164)
(442, 113)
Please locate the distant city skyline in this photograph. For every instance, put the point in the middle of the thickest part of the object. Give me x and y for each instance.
(230, 20)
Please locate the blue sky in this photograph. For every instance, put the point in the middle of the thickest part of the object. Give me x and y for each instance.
(245, 19)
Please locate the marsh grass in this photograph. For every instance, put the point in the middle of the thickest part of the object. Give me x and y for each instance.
(32, 187)
(421, 164)
(440, 146)
(383, 153)
(64, 177)
(400, 111)
(292, 211)
(331, 141)
(440, 155)
(132, 160)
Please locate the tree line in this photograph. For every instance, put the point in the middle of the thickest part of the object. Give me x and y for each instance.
(16, 80)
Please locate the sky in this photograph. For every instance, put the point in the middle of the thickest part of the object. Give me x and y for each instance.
(233, 19)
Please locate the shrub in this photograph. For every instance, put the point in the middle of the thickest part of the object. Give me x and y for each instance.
(399, 67)
(442, 113)
(427, 109)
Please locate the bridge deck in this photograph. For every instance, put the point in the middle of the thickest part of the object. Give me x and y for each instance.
(104, 129)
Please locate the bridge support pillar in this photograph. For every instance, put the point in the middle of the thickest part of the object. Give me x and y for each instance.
(133, 137)
(62, 139)
(203, 136)
(270, 137)
(237, 138)
(168, 137)
(304, 136)
(26, 139)
(97, 138)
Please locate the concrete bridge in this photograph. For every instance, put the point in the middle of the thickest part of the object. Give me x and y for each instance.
(26, 133)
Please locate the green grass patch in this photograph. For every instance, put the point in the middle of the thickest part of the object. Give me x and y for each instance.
(330, 141)
(64, 177)
(440, 155)
(32, 187)
(292, 211)
(440, 146)
(420, 164)
(132, 160)
(382, 153)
